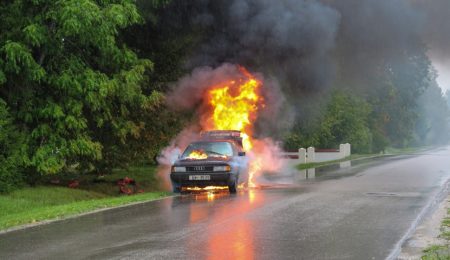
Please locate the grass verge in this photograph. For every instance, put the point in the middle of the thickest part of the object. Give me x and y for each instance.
(305, 166)
(441, 251)
(49, 202)
(406, 150)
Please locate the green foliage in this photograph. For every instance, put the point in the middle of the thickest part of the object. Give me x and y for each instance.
(346, 121)
(433, 122)
(292, 141)
(436, 252)
(379, 141)
(167, 37)
(11, 153)
(73, 85)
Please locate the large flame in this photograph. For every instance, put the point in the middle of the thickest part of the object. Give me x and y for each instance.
(234, 105)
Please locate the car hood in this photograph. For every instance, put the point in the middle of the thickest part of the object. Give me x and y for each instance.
(209, 160)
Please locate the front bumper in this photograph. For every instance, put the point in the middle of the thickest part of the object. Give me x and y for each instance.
(216, 179)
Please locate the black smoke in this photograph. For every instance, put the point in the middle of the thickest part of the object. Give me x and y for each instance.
(310, 46)
(289, 39)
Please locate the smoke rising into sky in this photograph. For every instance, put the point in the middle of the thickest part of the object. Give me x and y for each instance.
(298, 41)
(290, 39)
(436, 31)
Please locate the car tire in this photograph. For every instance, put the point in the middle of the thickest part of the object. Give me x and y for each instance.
(177, 189)
(233, 187)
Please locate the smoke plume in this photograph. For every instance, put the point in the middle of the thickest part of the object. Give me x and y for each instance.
(300, 42)
(289, 39)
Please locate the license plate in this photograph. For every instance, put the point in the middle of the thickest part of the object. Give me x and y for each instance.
(199, 177)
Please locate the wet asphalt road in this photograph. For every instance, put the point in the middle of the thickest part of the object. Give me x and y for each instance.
(361, 211)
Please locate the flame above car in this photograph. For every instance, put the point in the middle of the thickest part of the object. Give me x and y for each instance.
(234, 105)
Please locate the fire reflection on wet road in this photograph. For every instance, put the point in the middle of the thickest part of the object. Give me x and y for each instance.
(321, 214)
(236, 240)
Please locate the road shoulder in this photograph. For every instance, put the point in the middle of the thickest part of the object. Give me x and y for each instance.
(427, 234)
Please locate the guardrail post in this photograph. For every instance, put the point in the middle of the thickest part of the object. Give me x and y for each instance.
(311, 154)
(348, 149)
(302, 155)
(342, 151)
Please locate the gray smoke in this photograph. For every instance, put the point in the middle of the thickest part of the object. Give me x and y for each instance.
(308, 46)
(188, 92)
(298, 41)
(436, 25)
(290, 39)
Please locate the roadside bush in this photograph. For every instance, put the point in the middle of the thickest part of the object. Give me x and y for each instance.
(11, 160)
(346, 121)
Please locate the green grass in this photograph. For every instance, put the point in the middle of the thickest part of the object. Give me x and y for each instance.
(438, 252)
(47, 202)
(145, 177)
(305, 166)
(398, 151)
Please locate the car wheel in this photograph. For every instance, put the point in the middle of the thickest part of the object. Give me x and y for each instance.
(176, 189)
(233, 187)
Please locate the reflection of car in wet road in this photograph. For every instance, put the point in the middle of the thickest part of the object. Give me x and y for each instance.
(217, 159)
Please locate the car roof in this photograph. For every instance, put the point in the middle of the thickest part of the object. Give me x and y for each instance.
(213, 141)
(232, 142)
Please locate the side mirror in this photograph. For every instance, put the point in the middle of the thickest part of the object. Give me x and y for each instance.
(241, 153)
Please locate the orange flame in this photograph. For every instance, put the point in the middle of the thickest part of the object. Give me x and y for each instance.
(197, 155)
(234, 106)
(207, 188)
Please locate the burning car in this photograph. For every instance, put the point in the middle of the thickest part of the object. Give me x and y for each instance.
(217, 159)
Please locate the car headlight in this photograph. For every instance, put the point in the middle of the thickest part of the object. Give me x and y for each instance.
(224, 168)
(178, 169)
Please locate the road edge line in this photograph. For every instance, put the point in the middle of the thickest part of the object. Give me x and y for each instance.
(429, 208)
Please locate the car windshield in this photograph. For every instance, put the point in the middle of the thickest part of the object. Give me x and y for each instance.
(203, 150)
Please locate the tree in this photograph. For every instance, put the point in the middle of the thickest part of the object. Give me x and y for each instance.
(346, 121)
(12, 157)
(433, 124)
(71, 83)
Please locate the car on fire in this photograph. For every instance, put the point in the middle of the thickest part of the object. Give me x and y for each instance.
(217, 159)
